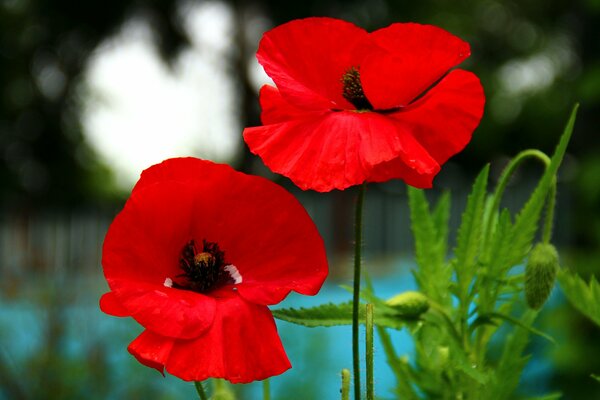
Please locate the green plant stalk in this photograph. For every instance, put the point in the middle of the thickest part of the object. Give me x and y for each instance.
(200, 390)
(345, 384)
(549, 219)
(369, 350)
(497, 197)
(356, 293)
(505, 178)
(266, 390)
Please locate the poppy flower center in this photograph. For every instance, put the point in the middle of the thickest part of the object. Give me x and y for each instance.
(204, 268)
(353, 91)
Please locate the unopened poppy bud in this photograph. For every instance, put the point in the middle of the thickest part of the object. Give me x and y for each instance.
(409, 304)
(540, 274)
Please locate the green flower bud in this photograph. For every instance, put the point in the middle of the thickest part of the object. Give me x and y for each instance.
(540, 274)
(409, 304)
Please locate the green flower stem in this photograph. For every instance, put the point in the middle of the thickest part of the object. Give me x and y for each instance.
(549, 218)
(356, 293)
(200, 390)
(507, 173)
(505, 178)
(345, 384)
(266, 390)
(369, 350)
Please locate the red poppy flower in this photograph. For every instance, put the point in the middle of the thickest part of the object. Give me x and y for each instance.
(196, 255)
(353, 107)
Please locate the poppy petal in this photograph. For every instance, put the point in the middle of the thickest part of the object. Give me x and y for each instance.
(152, 350)
(242, 346)
(412, 57)
(397, 169)
(335, 150)
(276, 109)
(272, 256)
(444, 119)
(142, 250)
(167, 311)
(110, 305)
(307, 58)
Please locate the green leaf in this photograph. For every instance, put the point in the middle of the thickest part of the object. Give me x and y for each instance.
(337, 314)
(525, 225)
(512, 361)
(440, 217)
(517, 322)
(584, 297)
(469, 234)
(463, 365)
(549, 396)
(433, 276)
(404, 388)
(596, 377)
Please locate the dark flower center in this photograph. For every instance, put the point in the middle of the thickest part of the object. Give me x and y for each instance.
(204, 268)
(353, 91)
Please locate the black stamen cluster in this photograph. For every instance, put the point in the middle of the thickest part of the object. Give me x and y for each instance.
(203, 269)
(353, 91)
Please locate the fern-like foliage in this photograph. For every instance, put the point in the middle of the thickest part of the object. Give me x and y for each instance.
(583, 296)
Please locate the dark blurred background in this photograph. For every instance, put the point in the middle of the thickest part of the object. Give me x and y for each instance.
(93, 92)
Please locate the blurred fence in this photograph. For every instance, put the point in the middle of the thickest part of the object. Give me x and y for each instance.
(72, 242)
(51, 243)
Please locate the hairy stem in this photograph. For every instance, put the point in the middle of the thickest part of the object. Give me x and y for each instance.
(200, 390)
(356, 292)
(345, 384)
(369, 350)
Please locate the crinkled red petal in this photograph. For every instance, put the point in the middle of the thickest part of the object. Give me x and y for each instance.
(444, 119)
(152, 350)
(307, 58)
(142, 250)
(336, 150)
(169, 312)
(110, 305)
(248, 217)
(276, 109)
(397, 169)
(411, 58)
(242, 346)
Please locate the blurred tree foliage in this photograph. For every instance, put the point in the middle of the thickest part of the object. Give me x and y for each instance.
(535, 59)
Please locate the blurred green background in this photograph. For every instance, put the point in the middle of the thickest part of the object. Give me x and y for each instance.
(93, 92)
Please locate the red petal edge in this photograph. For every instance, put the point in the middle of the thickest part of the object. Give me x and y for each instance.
(306, 58)
(412, 57)
(242, 346)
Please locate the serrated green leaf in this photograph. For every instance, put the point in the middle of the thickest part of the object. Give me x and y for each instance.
(512, 361)
(501, 240)
(526, 221)
(463, 365)
(404, 388)
(549, 396)
(329, 314)
(432, 276)
(337, 314)
(496, 264)
(584, 297)
(440, 217)
(519, 323)
(469, 234)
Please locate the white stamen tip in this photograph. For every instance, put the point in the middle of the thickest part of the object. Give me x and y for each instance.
(234, 273)
(168, 282)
